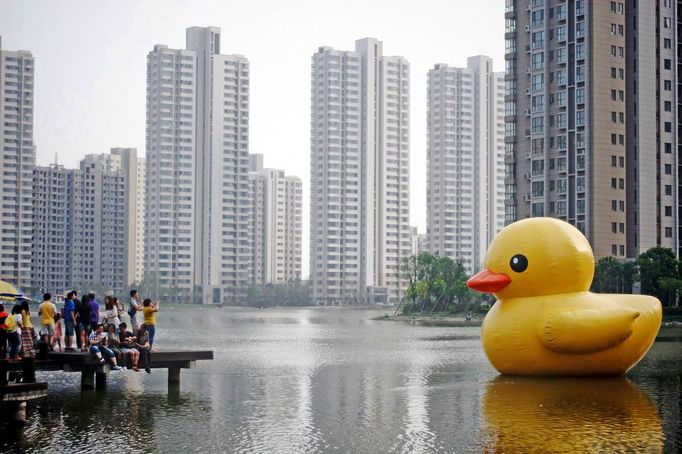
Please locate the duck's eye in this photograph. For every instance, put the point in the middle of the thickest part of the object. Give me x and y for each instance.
(519, 263)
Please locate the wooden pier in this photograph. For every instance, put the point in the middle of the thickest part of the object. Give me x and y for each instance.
(14, 395)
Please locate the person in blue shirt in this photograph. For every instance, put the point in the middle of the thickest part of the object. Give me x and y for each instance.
(69, 320)
(94, 316)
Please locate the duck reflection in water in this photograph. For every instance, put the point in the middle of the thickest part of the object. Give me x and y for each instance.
(532, 414)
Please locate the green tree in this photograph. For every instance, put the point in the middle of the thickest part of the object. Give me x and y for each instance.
(658, 270)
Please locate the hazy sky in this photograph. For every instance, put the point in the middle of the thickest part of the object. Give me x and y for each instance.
(91, 57)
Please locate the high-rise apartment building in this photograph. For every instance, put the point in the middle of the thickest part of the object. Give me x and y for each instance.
(170, 171)
(79, 233)
(359, 230)
(51, 212)
(197, 166)
(652, 121)
(465, 168)
(565, 116)
(276, 222)
(134, 220)
(17, 159)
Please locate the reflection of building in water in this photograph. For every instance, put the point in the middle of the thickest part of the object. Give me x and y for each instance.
(565, 414)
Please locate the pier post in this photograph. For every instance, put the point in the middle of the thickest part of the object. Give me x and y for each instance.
(16, 412)
(173, 376)
(87, 379)
(101, 380)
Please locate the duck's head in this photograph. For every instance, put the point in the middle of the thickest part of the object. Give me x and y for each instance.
(536, 256)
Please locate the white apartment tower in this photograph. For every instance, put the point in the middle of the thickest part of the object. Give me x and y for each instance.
(360, 231)
(197, 237)
(277, 230)
(171, 150)
(17, 159)
(465, 170)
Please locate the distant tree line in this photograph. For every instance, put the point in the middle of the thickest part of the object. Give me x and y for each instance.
(436, 284)
(657, 271)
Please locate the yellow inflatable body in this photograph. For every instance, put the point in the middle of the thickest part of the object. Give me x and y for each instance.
(545, 321)
(601, 414)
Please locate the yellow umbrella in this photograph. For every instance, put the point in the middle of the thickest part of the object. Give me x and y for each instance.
(8, 292)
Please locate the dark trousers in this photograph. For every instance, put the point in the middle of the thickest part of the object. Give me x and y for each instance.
(145, 357)
(14, 344)
(3, 343)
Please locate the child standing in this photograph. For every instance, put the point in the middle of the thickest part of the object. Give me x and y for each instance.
(57, 339)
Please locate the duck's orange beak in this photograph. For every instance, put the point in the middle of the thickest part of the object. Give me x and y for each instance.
(488, 282)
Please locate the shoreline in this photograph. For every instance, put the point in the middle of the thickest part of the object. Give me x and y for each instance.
(432, 320)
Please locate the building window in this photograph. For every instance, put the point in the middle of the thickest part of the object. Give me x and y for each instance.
(580, 206)
(579, 51)
(668, 126)
(668, 169)
(667, 85)
(668, 148)
(537, 103)
(580, 30)
(538, 82)
(538, 60)
(667, 22)
(538, 209)
(667, 43)
(667, 64)
(537, 125)
(667, 106)
(538, 18)
(580, 118)
(668, 211)
(580, 96)
(668, 232)
(614, 249)
(561, 33)
(561, 12)
(537, 40)
(668, 189)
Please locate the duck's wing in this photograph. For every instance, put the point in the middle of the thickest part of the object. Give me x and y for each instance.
(585, 330)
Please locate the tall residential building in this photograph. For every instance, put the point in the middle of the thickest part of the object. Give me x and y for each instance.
(134, 220)
(565, 116)
(465, 149)
(360, 230)
(51, 220)
(17, 159)
(79, 225)
(652, 116)
(197, 166)
(277, 230)
(170, 172)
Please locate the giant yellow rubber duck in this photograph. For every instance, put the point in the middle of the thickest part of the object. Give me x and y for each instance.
(545, 320)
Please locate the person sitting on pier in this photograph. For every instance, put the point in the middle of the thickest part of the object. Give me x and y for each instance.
(114, 345)
(126, 342)
(142, 345)
(98, 347)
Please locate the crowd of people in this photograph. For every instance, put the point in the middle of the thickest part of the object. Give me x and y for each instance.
(106, 336)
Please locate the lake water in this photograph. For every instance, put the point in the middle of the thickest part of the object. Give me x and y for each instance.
(333, 380)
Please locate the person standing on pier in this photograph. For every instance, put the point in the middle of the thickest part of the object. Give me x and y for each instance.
(3, 332)
(84, 314)
(94, 317)
(69, 321)
(14, 332)
(149, 311)
(46, 310)
(27, 322)
(132, 311)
